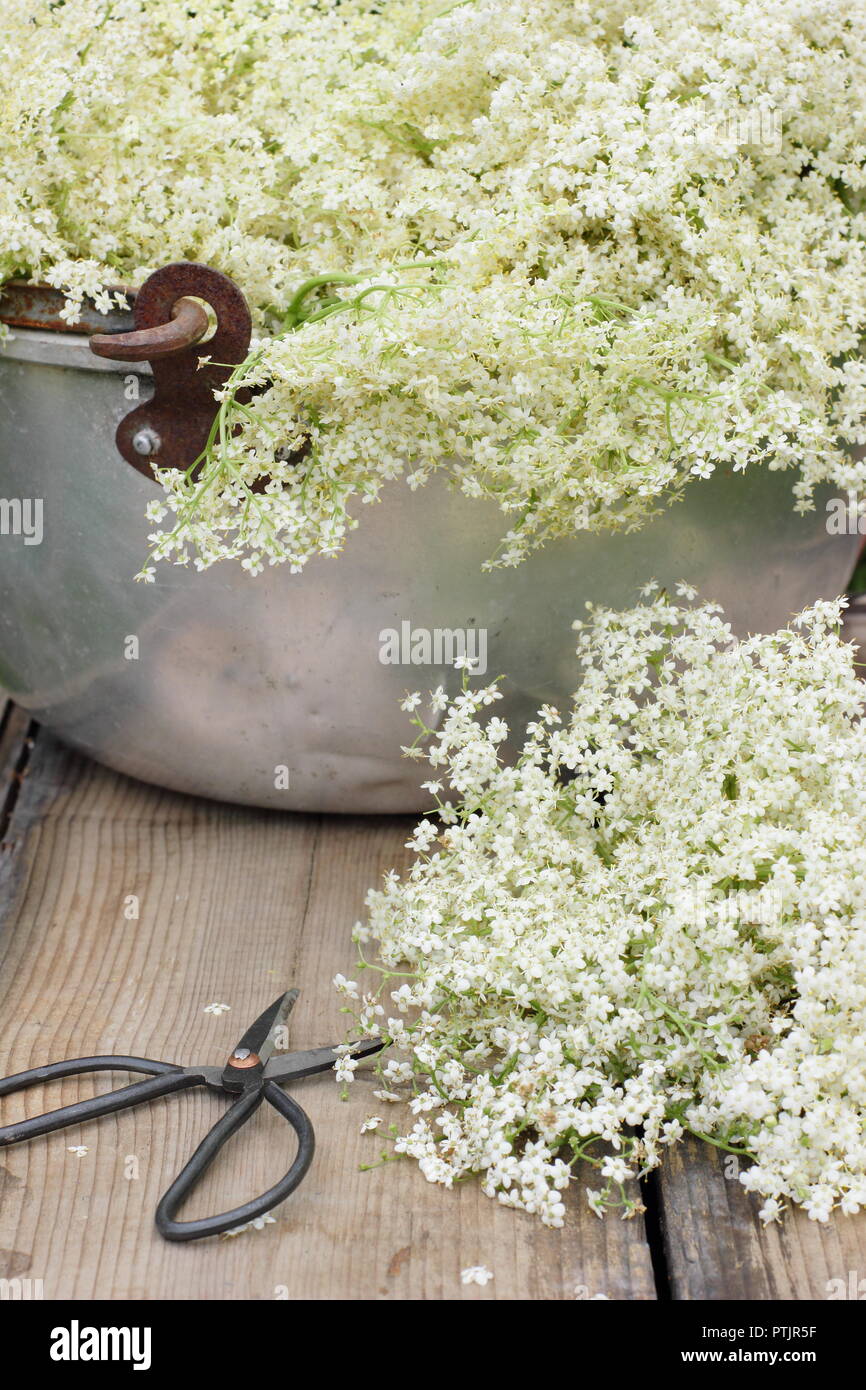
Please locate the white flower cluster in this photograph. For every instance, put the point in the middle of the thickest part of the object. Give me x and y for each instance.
(571, 253)
(654, 923)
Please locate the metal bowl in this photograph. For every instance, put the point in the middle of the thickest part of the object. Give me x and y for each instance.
(283, 690)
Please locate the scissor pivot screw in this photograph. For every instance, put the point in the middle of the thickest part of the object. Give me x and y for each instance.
(244, 1058)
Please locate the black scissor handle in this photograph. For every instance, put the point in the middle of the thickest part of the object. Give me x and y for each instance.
(165, 1078)
(243, 1109)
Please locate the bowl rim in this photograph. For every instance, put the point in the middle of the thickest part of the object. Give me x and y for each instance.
(31, 304)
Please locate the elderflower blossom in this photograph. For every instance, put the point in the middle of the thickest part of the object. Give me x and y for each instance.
(653, 924)
(258, 1223)
(575, 256)
(345, 1065)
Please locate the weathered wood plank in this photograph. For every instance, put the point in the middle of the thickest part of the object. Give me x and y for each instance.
(717, 1248)
(233, 905)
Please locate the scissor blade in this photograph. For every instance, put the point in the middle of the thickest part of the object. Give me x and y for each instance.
(318, 1059)
(261, 1036)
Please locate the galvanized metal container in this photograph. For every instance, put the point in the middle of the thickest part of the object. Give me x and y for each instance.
(233, 687)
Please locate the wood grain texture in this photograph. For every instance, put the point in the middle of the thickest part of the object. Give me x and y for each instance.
(716, 1247)
(234, 905)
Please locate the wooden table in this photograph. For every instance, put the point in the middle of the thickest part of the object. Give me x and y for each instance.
(233, 905)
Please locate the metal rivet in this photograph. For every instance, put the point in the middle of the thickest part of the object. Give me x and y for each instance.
(146, 441)
(243, 1059)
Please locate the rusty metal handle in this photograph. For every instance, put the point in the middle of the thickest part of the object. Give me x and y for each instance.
(187, 325)
(171, 428)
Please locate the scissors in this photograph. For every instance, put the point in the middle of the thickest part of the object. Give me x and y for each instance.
(251, 1074)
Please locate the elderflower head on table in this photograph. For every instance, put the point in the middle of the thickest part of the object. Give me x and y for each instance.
(653, 924)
